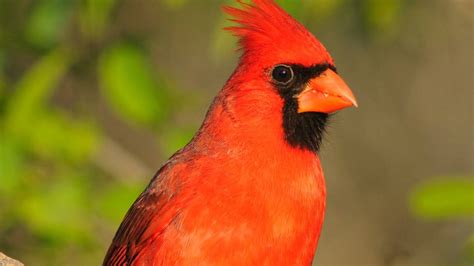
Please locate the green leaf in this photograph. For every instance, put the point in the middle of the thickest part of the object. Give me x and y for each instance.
(130, 86)
(444, 198)
(47, 22)
(33, 90)
(57, 137)
(382, 17)
(57, 211)
(94, 16)
(11, 165)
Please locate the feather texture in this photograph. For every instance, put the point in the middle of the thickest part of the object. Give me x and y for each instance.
(264, 28)
(239, 193)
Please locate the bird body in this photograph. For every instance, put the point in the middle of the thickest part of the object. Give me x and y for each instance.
(248, 189)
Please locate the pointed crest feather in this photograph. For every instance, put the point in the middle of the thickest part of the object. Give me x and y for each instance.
(266, 32)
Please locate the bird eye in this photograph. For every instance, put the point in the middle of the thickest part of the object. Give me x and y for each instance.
(282, 74)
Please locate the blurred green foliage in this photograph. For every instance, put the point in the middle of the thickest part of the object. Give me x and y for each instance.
(94, 17)
(446, 198)
(130, 86)
(56, 196)
(451, 197)
(47, 21)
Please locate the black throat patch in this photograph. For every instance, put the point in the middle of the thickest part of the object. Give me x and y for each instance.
(302, 130)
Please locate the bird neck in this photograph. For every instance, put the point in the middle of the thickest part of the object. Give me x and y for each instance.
(234, 122)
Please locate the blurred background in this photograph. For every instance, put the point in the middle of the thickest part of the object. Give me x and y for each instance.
(96, 94)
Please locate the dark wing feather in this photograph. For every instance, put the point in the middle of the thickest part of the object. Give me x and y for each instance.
(142, 229)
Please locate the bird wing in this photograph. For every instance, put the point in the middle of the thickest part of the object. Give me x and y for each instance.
(141, 232)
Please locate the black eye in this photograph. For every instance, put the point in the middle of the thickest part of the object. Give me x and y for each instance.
(282, 74)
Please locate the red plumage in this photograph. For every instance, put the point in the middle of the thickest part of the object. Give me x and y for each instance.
(241, 192)
(269, 35)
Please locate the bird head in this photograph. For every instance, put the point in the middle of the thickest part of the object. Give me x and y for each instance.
(292, 73)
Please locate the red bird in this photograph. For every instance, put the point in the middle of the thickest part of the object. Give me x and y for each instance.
(248, 189)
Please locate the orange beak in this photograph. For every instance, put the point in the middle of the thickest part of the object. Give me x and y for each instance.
(326, 93)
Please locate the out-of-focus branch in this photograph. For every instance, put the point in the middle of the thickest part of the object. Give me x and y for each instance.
(115, 160)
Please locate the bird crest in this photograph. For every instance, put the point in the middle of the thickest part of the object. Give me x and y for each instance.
(264, 28)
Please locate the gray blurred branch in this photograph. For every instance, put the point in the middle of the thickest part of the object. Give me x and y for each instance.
(115, 160)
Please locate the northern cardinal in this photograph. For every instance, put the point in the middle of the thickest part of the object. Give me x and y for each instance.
(248, 189)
